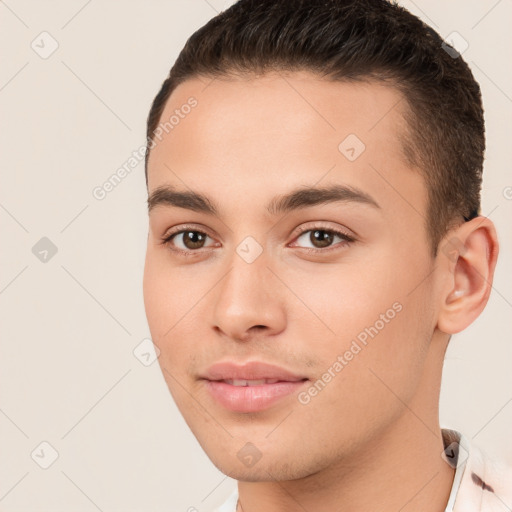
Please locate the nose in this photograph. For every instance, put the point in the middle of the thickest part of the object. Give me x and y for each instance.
(249, 301)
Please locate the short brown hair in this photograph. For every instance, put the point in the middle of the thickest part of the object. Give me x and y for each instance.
(358, 40)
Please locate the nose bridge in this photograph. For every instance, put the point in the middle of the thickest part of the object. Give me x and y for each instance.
(247, 280)
(247, 296)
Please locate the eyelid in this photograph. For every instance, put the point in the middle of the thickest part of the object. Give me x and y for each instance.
(186, 227)
(321, 225)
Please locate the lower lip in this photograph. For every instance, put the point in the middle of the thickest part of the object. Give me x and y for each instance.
(251, 398)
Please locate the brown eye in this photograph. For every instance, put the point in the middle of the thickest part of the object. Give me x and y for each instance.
(193, 239)
(186, 240)
(321, 239)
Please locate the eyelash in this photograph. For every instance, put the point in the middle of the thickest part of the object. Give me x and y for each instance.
(347, 239)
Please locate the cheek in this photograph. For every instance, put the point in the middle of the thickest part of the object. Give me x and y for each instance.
(173, 298)
(374, 335)
(340, 301)
(164, 308)
(361, 386)
(165, 305)
(170, 293)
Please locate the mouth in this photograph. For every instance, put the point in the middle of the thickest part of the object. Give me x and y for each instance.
(251, 372)
(250, 387)
(258, 382)
(251, 395)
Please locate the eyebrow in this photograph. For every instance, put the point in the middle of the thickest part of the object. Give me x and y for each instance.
(298, 198)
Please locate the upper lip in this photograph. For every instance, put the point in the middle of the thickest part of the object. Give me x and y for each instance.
(253, 370)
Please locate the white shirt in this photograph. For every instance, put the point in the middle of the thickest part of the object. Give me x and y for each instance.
(480, 484)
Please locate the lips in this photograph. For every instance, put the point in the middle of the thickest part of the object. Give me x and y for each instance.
(251, 371)
(251, 387)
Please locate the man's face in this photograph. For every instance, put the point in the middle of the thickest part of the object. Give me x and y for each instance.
(248, 286)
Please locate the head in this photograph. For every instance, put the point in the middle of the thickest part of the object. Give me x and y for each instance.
(314, 206)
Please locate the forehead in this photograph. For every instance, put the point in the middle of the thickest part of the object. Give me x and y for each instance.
(256, 135)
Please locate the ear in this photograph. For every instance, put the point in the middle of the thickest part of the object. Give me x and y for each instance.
(467, 258)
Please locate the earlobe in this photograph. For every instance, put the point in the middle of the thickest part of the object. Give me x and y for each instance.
(467, 258)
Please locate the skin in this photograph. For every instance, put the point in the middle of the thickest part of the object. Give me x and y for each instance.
(371, 438)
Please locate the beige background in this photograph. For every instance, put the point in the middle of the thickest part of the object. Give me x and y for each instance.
(68, 374)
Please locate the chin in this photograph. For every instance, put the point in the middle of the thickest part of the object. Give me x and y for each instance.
(270, 467)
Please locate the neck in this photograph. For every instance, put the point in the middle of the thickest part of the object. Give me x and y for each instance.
(401, 469)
